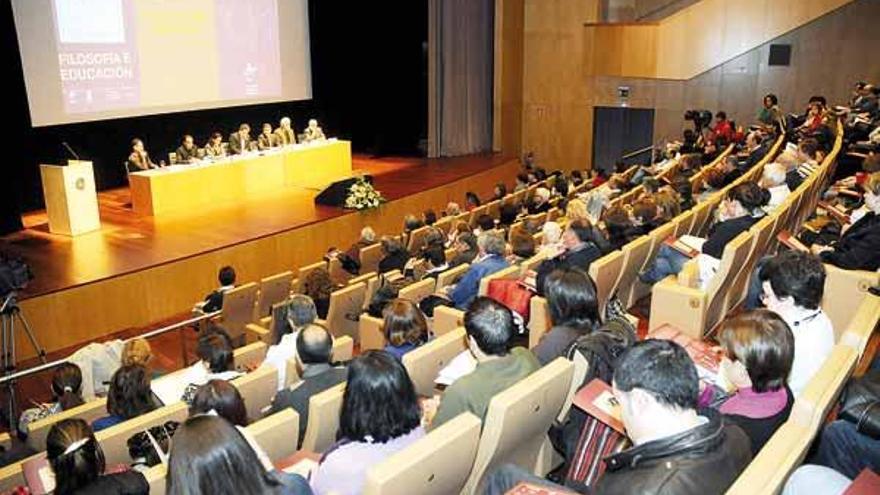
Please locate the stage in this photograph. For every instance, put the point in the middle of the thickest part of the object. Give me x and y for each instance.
(138, 270)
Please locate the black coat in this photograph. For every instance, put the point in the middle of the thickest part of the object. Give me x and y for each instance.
(859, 247)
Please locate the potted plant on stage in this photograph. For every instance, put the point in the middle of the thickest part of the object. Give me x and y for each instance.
(362, 196)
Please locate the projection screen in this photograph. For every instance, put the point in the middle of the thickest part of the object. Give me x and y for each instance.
(87, 60)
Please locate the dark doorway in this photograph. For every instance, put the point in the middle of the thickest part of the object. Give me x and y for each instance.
(619, 131)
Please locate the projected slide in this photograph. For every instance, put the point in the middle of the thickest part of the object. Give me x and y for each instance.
(134, 57)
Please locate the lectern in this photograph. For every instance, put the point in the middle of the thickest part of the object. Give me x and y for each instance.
(71, 201)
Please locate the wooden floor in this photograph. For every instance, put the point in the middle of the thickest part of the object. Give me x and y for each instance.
(128, 242)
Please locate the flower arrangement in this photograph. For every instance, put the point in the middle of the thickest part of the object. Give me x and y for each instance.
(362, 196)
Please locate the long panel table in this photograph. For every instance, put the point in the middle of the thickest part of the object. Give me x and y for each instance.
(181, 187)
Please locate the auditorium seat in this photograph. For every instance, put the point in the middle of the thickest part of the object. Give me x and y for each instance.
(444, 224)
(634, 255)
(373, 284)
(250, 356)
(451, 276)
(324, 409)
(639, 290)
(114, 439)
(605, 273)
(844, 291)
(416, 239)
(511, 272)
(39, 429)
(262, 331)
(156, 479)
(238, 310)
(762, 233)
(419, 290)
(425, 362)
(691, 309)
(345, 307)
(370, 333)
(539, 320)
(861, 326)
(684, 222)
(517, 421)
(273, 290)
(274, 433)
(370, 257)
(446, 319)
(476, 213)
(532, 263)
(364, 277)
(581, 367)
(437, 464)
(493, 208)
(820, 394)
(257, 388)
(780, 456)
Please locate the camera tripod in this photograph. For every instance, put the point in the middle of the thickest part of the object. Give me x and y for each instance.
(10, 314)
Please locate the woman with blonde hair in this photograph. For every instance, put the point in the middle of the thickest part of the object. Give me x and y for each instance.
(576, 210)
(137, 351)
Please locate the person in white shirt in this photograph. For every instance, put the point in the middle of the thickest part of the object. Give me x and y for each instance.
(300, 312)
(793, 284)
(773, 180)
(214, 351)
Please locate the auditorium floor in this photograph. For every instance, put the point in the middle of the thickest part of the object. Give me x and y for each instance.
(128, 242)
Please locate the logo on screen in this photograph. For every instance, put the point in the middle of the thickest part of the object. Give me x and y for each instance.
(80, 183)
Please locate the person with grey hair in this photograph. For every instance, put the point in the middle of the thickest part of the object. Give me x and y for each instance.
(490, 259)
(411, 222)
(285, 134)
(395, 255)
(540, 202)
(452, 209)
(298, 313)
(773, 180)
(368, 238)
(313, 132)
(317, 372)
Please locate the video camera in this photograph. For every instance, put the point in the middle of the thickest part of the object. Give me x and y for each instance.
(700, 118)
(15, 275)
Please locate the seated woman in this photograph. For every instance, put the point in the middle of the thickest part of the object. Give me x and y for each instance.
(435, 261)
(210, 456)
(620, 227)
(66, 392)
(214, 351)
(367, 238)
(551, 243)
(761, 350)
(644, 215)
(471, 200)
(405, 327)
(319, 286)
(522, 247)
(129, 396)
(222, 399)
(77, 461)
(380, 416)
(574, 311)
(500, 191)
(299, 312)
(740, 210)
(394, 256)
(859, 245)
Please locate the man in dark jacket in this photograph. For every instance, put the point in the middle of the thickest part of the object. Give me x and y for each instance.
(676, 451)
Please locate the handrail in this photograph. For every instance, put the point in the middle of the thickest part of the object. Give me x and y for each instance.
(152, 333)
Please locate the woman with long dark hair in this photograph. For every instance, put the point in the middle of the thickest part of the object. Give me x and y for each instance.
(574, 311)
(129, 396)
(209, 456)
(380, 416)
(78, 462)
(67, 393)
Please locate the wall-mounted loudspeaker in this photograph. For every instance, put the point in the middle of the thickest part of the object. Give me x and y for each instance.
(780, 55)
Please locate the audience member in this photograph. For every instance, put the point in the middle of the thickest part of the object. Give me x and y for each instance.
(466, 249)
(66, 393)
(499, 192)
(580, 246)
(209, 456)
(471, 200)
(129, 396)
(319, 287)
(490, 329)
(214, 301)
(214, 350)
(760, 347)
(367, 238)
(395, 255)
(859, 245)
(77, 461)
(574, 312)
(405, 327)
(380, 416)
(773, 179)
(300, 312)
(490, 259)
(522, 247)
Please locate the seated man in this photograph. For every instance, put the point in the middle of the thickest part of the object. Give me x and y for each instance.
(214, 146)
(313, 132)
(266, 139)
(490, 259)
(676, 450)
(240, 142)
(773, 180)
(859, 245)
(490, 328)
(139, 159)
(187, 152)
(214, 301)
(793, 283)
(580, 246)
(729, 167)
(314, 344)
(285, 134)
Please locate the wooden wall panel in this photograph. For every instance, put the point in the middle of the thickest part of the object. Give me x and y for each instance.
(91, 311)
(508, 98)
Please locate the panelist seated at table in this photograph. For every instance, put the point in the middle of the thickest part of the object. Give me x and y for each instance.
(139, 159)
(313, 132)
(214, 147)
(266, 139)
(188, 152)
(285, 134)
(241, 142)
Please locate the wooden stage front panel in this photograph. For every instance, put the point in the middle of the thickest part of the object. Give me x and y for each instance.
(138, 271)
(187, 187)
